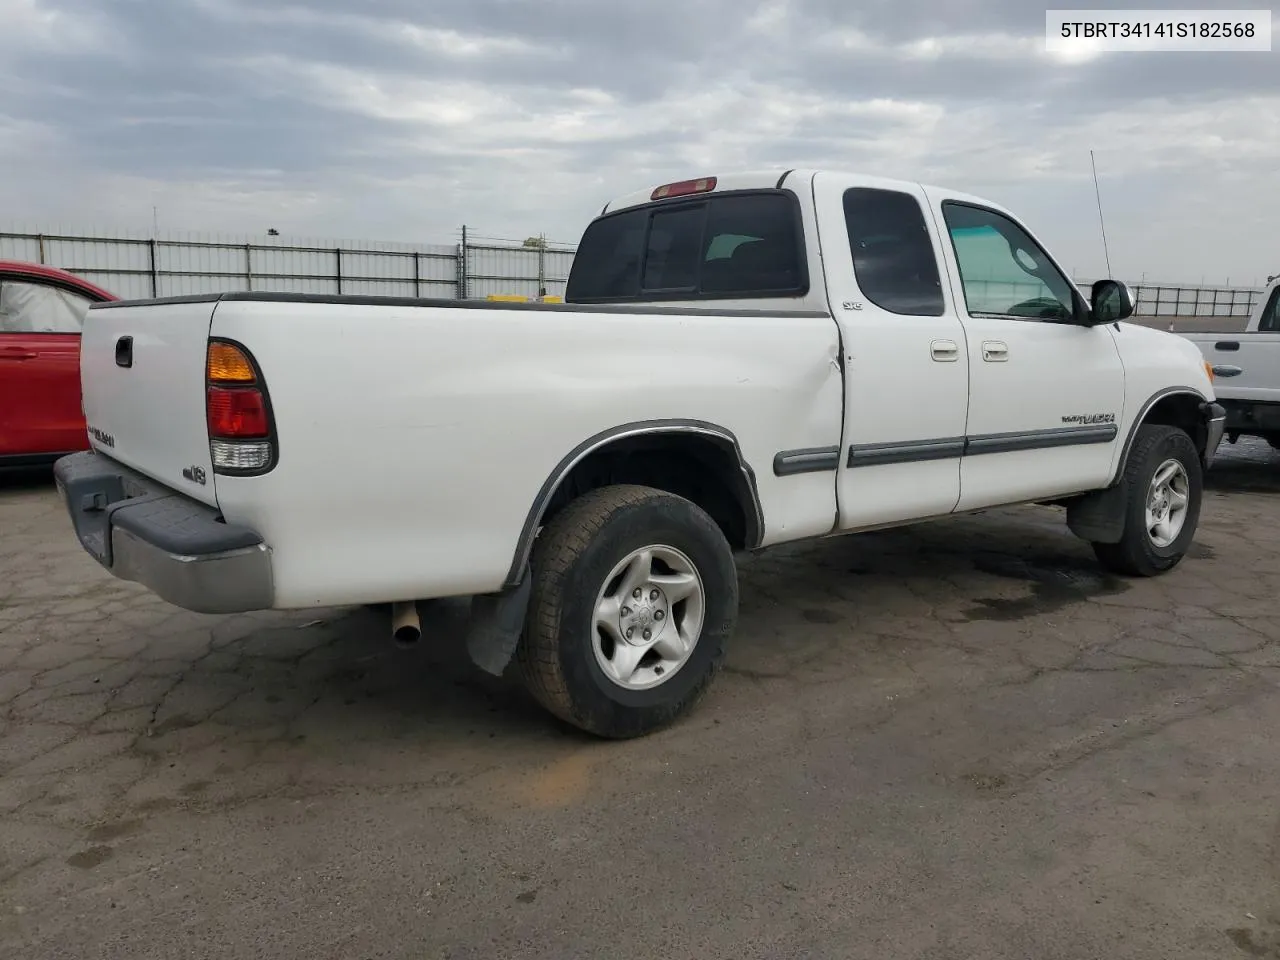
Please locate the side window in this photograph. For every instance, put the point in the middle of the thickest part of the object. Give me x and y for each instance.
(40, 308)
(893, 257)
(1003, 271)
(1270, 319)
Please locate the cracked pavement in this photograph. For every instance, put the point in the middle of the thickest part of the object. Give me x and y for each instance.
(960, 739)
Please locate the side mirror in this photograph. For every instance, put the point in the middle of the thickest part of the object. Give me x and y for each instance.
(1110, 301)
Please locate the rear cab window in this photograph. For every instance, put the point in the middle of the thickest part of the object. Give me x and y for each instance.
(718, 247)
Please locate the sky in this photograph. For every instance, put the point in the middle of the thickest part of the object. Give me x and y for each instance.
(402, 120)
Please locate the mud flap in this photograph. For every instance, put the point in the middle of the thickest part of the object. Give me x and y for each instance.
(497, 620)
(1098, 517)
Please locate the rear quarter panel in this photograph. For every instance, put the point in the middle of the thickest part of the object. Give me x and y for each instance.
(414, 439)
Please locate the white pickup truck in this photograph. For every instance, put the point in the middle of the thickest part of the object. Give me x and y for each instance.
(1249, 365)
(740, 362)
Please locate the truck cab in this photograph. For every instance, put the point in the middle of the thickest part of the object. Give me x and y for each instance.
(973, 371)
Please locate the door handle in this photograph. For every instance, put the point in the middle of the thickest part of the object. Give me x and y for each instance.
(944, 351)
(995, 351)
(1226, 370)
(17, 353)
(124, 352)
(1227, 345)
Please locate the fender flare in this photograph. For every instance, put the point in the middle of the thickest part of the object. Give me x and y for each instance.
(533, 520)
(1099, 516)
(1141, 418)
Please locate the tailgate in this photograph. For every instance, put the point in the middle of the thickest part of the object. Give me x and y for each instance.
(142, 373)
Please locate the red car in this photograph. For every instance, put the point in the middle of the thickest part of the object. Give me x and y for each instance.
(41, 312)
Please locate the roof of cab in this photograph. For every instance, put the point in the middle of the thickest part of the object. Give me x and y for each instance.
(742, 180)
(772, 178)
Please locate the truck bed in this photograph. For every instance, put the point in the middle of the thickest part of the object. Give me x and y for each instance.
(414, 436)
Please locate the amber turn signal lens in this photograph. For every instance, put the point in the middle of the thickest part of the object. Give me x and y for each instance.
(1208, 368)
(228, 364)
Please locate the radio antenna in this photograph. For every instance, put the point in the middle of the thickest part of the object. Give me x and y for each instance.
(1101, 222)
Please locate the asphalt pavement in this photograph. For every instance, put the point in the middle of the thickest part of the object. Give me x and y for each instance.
(956, 740)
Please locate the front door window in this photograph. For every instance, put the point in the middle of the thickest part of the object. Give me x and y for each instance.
(1004, 273)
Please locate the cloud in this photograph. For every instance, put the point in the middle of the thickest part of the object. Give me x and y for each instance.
(399, 120)
(38, 27)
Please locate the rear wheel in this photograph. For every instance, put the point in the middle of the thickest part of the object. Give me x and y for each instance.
(1165, 487)
(635, 595)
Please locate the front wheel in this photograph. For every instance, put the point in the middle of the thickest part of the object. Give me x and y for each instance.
(635, 595)
(1165, 486)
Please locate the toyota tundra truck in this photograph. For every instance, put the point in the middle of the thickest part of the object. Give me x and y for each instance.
(740, 361)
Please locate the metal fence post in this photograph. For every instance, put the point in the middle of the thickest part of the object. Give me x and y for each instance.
(417, 274)
(542, 264)
(337, 253)
(155, 275)
(462, 265)
(248, 266)
(40, 240)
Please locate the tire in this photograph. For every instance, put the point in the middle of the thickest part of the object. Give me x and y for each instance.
(1140, 552)
(572, 667)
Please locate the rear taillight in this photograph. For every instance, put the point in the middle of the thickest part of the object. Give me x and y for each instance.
(241, 432)
(237, 414)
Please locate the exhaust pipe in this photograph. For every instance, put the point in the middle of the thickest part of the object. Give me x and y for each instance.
(406, 630)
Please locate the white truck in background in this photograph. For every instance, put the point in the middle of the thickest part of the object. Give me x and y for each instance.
(1248, 365)
(740, 362)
